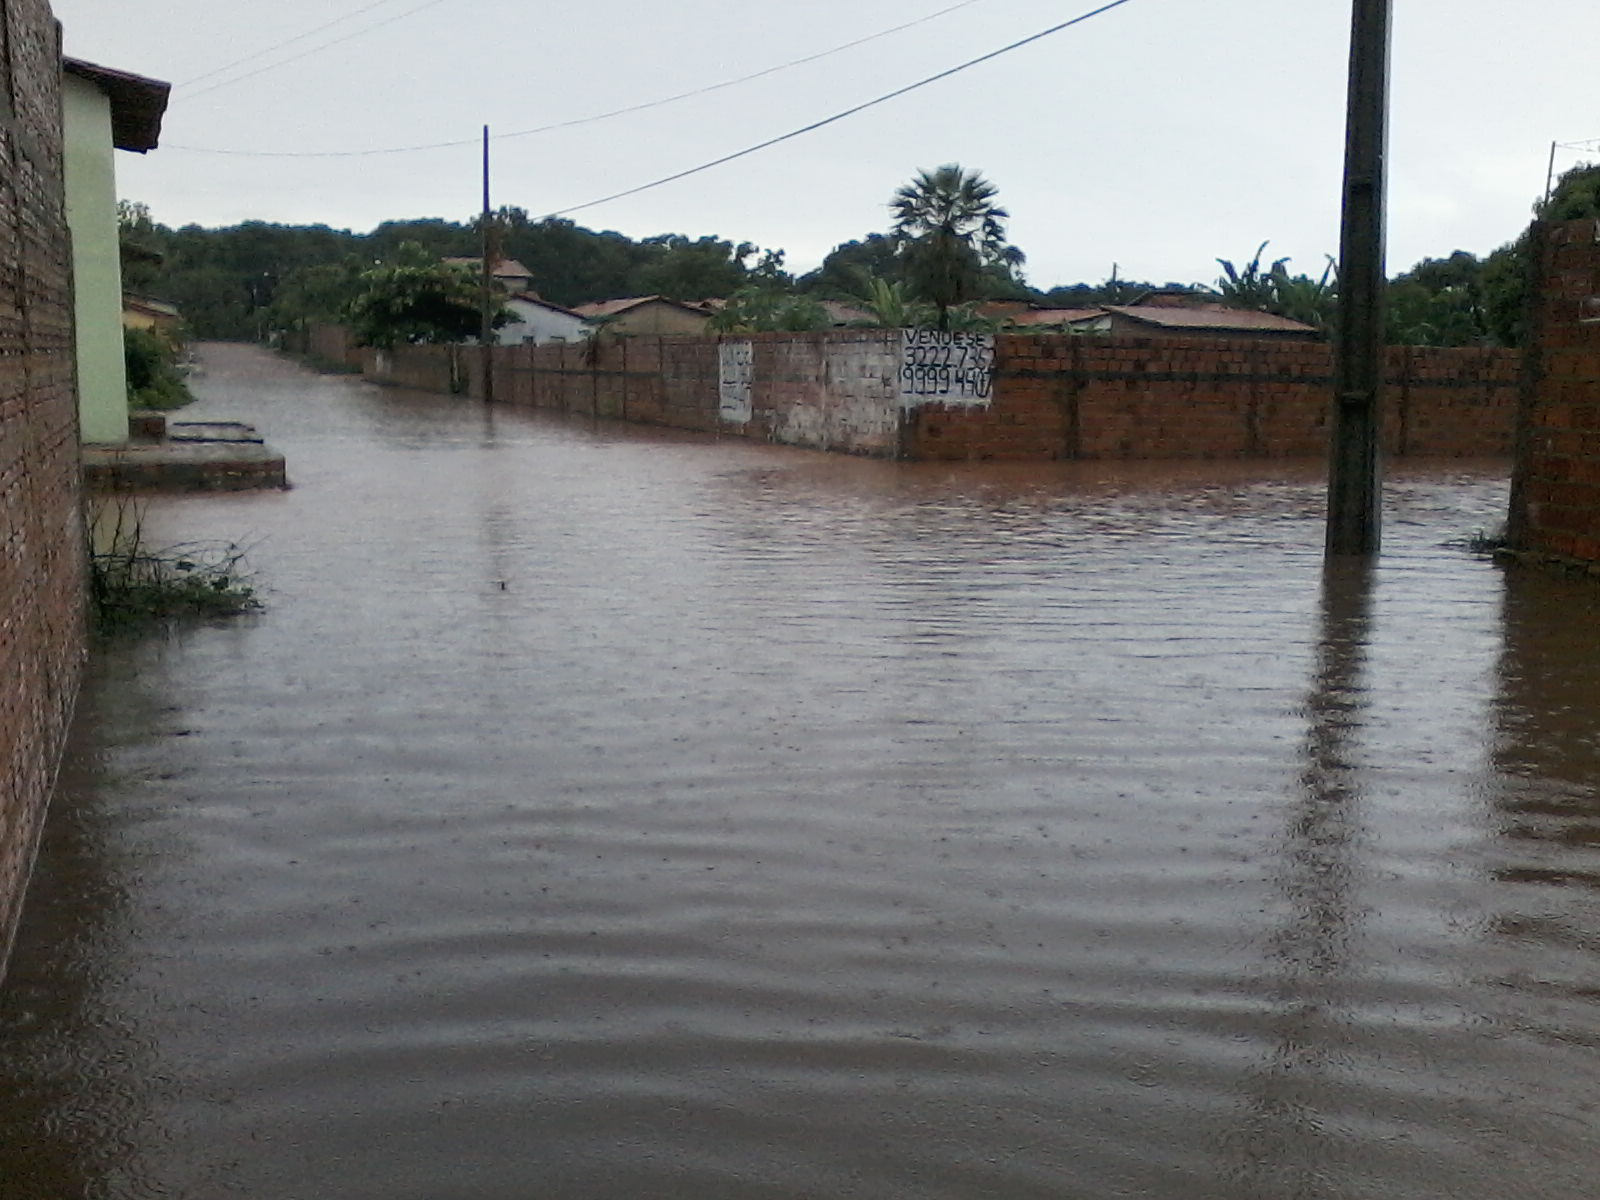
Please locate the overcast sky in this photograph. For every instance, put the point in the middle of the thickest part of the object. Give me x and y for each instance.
(1159, 135)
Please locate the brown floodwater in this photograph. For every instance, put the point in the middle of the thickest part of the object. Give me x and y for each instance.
(603, 813)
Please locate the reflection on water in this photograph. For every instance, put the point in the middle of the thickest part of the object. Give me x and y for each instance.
(1546, 805)
(78, 1073)
(600, 813)
(1284, 1149)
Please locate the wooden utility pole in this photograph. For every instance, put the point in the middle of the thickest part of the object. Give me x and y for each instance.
(491, 252)
(1354, 486)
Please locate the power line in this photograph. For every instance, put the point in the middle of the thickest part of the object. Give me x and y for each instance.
(299, 37)
(839, 116)
(589, 120)
(314, 49)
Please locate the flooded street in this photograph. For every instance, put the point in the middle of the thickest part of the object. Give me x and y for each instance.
(603, 813)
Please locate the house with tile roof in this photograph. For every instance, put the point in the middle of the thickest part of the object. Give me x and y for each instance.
(646, 315)
(1197, 314)
(538, 322)
(1166, 314)
(1203, 320)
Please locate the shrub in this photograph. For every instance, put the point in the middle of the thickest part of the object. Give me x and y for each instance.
(154, 378)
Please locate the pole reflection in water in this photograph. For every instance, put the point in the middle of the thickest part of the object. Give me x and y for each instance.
(1282, 1148)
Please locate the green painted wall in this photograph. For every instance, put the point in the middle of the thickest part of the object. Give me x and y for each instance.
(96, 266)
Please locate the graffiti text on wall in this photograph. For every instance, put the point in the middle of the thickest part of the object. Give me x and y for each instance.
(736, 361)
(945, 367)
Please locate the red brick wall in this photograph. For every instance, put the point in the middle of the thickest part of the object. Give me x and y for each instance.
(1063, 397)
(41, 517)
(1555, 496)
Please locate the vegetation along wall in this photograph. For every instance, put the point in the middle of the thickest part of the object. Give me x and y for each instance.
(41, 525)
(1039, 398)
(1555, 491)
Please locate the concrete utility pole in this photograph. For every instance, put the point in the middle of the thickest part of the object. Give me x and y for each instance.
(1354, 487)
(490, 249)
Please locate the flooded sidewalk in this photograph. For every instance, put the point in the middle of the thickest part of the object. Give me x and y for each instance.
(603, 813)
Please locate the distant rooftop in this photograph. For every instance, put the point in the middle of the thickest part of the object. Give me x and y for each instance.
(505, 268)
(1055, 316)
(148, 304)
(610, 308)
(1208, 316)
(535, 298)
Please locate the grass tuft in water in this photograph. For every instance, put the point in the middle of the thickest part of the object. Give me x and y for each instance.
(134, 585)
(1486, 542)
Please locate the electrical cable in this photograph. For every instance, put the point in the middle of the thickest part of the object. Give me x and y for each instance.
(299, 37)
(589, 120)
(314, 50)
(839, 116)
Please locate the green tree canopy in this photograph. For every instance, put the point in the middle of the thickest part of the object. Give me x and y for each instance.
(951, 233)
(410, 304)
(1576, 196)
(764, 308)
(320, 293)
(850, 268)
(892, 306)
(702, 269)
(140, 245)
(1439, 302)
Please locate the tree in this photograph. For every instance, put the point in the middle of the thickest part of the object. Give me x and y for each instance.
(694, 270)
(320, 293)
(139, 245)
(851, 267)
(1273, 290)
(758, 308)
(951, 232)
(1575, 197)
(1439, 302)
(409, 304)
(1504, 281)
(1248, 286)
(892, 307)
(1505, 288)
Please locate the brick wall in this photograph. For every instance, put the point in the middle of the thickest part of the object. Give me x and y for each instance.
(427, 368)
(330, 345)
(833, 391)
(1555, 493)
(41, 518)
(1063, 397)
(1055, 397)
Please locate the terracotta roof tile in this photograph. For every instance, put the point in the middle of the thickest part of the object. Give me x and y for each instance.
(1208, 316)
(1056, 316)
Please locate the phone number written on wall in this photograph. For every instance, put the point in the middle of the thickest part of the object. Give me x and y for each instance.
(946, 367)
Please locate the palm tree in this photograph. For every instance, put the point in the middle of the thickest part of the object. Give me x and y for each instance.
(951, 233)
